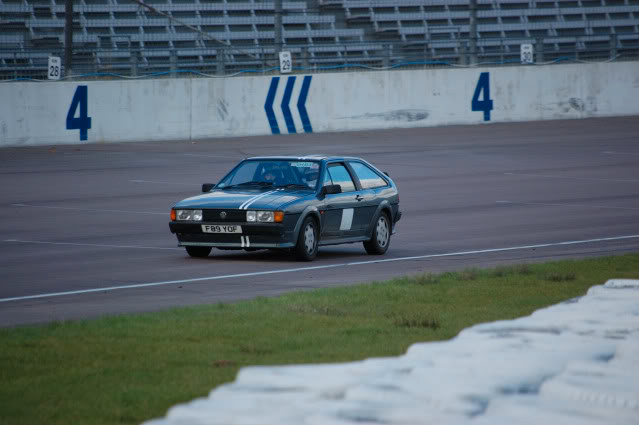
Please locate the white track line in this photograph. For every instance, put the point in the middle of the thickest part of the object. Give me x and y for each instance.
(89, 209)
(303, 269)
(214, 156)
(566, 205)
(621, 153)
(87, 244)
(156, 182)
(571, 178)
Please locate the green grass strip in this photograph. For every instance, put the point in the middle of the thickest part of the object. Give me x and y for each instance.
(130, 368)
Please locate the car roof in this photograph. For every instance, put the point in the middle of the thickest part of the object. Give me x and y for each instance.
(316, 157)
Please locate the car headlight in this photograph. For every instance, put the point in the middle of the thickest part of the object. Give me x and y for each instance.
(188, 215)
(265, 216)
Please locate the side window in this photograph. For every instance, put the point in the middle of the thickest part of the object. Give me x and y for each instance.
(340, 176)
(367, 177)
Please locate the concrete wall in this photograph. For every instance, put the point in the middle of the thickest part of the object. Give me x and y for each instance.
(183, 109)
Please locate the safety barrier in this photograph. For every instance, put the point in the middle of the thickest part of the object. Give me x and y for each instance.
(571, 363)
(185, 109)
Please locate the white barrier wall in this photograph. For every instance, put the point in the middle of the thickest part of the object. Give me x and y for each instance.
(183, 109)
(573, 363)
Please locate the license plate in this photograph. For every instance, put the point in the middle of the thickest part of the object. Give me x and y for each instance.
(215, 228)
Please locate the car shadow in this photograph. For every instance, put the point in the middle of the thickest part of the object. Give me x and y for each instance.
(276, 256)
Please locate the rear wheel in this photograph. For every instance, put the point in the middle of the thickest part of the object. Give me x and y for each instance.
(381, 236)
(198, 251)
(306, 248)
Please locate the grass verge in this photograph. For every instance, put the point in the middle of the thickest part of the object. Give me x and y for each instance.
(127, 369)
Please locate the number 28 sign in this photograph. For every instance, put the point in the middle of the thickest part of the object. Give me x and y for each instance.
(53, 71)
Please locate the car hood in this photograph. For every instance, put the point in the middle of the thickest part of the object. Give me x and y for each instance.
(246, 199)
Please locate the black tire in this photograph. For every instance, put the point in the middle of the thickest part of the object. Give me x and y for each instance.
(378, 244)
(198, 251)
(306, 248)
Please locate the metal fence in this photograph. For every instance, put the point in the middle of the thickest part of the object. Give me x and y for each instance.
(130, 61)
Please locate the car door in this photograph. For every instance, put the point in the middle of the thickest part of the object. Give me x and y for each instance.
(339, 214)
(369, 183)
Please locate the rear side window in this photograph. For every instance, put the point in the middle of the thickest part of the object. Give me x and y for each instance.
(339, 175)
(368, 178)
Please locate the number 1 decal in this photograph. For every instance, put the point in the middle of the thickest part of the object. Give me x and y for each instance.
(485, 105)
(83, 122)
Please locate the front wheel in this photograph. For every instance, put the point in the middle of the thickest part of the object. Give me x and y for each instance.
(381, 236)
(306, 248)
(198, 251)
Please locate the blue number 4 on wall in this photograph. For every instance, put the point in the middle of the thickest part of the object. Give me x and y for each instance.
(485, 105)
(83, 121)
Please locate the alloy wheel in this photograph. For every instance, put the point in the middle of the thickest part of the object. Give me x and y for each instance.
(382, 231)
(309, 238)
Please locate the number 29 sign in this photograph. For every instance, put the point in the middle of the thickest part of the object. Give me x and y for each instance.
(286, 63)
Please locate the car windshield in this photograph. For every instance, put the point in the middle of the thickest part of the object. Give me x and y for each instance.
(294, 174)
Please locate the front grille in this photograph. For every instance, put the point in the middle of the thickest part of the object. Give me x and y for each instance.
(231, 215)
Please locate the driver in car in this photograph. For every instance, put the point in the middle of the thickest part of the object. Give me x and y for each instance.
(268, 175)
(273, 175)
(310, 176)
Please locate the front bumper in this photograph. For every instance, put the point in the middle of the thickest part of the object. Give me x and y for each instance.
(254, 235)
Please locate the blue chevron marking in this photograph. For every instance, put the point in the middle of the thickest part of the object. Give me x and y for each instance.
(301, 104)
(268, 106)
(290, 124)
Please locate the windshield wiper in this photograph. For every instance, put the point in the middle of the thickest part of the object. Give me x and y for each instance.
(257, 183)
(296, 185)
(251, 183)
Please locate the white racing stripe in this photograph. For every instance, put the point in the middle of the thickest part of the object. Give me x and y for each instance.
(246, 204)
(328, 266)
(251, 201)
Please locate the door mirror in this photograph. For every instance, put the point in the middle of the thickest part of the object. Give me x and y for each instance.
(331, 189)
(206, 187)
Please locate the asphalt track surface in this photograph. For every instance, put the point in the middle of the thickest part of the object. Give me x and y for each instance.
(84, 228)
